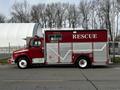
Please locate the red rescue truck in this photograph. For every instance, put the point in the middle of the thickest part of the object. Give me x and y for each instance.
(80, 47)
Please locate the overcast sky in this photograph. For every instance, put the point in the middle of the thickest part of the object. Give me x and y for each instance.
(5, 5)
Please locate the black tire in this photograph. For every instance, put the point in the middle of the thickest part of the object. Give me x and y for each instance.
(83, 63)
(22, 63)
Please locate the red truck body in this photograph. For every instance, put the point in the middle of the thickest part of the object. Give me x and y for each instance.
(80, 47)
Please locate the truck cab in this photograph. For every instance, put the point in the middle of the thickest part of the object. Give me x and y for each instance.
(32, 54)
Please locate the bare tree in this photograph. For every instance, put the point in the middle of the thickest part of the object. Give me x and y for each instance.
(60, 14)
(118, 1)
(35, 14)
(84, 9)
(38, 15)
(88, 14)
(93, 17)
(50, 15)
(106, 10)
(115, 16)
(103, 14)
(2, 18)
(97, 14)
(72, 16)
(21, 12)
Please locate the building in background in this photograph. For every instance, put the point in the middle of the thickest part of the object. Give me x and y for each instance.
(12, 36)
(14, 33)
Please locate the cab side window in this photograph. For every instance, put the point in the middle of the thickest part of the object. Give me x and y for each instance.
(36, 43)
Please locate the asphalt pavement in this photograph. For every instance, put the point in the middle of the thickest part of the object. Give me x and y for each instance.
(60, 78)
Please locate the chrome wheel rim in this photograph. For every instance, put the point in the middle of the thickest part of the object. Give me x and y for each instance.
(83, 63)
(23, 63)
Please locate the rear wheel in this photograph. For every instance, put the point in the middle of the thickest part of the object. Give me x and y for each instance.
(83, 63)
(22, 63)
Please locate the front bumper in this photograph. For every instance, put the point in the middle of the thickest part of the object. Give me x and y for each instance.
(11, 61)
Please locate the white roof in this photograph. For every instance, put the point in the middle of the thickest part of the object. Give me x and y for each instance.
(14, 33)
(47, 29)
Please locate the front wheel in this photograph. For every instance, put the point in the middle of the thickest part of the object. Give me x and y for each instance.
(22, 63)
(83, 63)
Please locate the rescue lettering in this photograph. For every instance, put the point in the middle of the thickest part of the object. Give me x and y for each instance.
(84, 36)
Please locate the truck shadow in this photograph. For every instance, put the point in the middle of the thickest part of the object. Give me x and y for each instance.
(68, 66)
(52, 66)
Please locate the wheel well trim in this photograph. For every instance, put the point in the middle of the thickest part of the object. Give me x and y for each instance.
(22, 56)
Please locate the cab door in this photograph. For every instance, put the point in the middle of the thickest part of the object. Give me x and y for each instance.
(36, 51)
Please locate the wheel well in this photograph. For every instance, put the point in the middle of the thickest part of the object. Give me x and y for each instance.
(20, 57)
